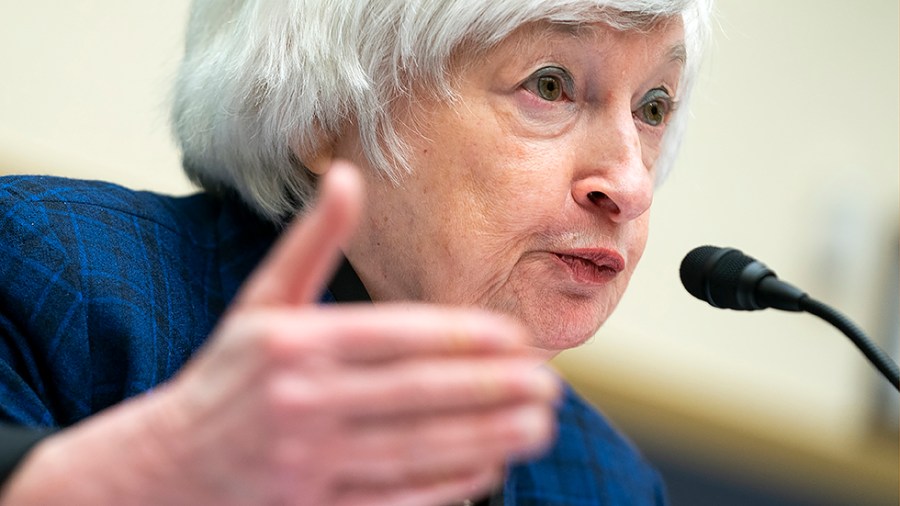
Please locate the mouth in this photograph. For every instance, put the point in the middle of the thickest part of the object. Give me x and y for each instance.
(591, 266)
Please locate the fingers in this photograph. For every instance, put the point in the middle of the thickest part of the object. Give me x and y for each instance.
(364, 334)
(303, 259)
(411, 388)
(435, 452)
(386, 361)
(367, 336)
(411, 427)
(450, 490)
(427, 447)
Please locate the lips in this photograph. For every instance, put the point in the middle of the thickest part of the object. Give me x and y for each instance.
(591, 266)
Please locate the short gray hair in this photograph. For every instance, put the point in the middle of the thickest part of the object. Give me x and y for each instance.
(266, 84)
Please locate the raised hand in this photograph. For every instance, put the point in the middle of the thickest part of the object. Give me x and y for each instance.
(291, 402)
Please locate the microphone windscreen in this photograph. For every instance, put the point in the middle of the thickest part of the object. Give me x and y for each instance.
(714, 275)
(692, 271)
(727, 278)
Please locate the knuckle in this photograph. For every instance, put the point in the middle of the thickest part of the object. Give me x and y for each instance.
(289, 396)
(275, 346)
(273, 336)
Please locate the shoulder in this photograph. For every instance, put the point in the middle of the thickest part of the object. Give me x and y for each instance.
(103, 292)
(68, 203)
(591, 462)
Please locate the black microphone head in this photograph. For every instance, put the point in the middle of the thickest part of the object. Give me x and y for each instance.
(723, 277)
(694, 267)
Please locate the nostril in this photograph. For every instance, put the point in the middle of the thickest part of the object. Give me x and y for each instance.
(602, 201)
(596, 196)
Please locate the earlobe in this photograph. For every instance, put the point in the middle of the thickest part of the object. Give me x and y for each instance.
(321, 162)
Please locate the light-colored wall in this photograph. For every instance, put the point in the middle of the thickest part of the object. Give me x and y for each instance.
(792, 156)
(84, 89)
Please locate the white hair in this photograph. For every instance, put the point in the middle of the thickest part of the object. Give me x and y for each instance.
(267, 84)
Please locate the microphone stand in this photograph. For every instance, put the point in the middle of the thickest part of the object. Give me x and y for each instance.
(727, 278)
(876, 355)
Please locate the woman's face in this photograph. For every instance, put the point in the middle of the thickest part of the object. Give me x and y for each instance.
(530, 192)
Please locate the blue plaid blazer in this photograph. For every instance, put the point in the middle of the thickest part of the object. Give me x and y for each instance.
(106, 292)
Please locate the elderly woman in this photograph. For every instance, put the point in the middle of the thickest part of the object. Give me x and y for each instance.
(484, 171)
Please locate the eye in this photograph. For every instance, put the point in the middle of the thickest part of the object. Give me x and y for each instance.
(653, 113)
(550, 83)
(549, 88)
(656, 107)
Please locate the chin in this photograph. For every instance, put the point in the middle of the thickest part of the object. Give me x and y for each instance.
(561, 340)
(557, 320)
(556, 331)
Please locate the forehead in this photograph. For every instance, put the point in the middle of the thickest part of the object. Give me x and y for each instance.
(664, 36)
(661, 42)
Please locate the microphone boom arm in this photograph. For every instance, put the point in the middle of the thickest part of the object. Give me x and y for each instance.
(727, 278)
(876, 355)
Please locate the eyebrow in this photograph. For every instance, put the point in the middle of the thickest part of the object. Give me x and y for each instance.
(678, 53)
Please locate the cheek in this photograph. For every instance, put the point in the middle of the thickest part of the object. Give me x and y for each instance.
(490, 190)
(515, 207)
(651, 145)
(637, 238)
(512, 180)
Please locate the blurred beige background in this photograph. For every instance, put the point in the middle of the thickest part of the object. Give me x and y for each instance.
(792, 156)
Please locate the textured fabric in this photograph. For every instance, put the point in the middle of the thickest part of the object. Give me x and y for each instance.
(106, 292)
(590, 464)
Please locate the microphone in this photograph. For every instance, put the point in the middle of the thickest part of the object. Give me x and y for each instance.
(727, 278)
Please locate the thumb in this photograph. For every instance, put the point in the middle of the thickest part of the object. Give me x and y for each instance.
(304, 258)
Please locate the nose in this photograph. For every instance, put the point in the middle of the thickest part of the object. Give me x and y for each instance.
(610, 177)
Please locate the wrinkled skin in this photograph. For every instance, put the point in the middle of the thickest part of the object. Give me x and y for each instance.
(529, 198)
(505, 180)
